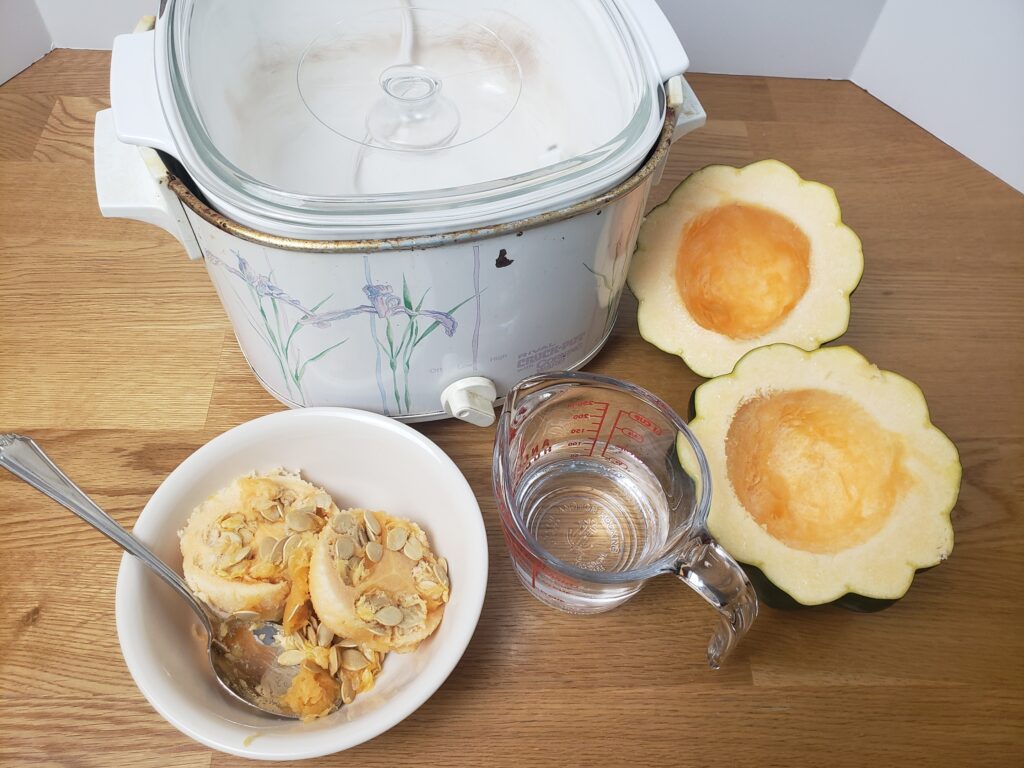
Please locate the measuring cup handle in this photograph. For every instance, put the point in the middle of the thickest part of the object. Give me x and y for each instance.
(709, 570)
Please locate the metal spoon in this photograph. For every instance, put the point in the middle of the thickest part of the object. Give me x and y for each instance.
(253, 664)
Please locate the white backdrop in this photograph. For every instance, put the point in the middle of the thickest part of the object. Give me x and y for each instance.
(956, 67)
(957, 70)
(783, 38)
(23, 36)
(92, 23)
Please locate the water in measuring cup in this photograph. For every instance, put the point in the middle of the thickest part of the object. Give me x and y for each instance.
(592, 513)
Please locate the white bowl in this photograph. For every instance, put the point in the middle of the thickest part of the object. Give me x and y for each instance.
(361, 459)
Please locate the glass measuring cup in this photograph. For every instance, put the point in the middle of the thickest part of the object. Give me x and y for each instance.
(594, 501)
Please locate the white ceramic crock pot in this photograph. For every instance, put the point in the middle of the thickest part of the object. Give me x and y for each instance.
(408, 207)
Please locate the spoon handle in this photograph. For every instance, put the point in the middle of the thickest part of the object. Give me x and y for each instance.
(25, 459)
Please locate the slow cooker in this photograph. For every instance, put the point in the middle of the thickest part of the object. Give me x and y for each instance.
(407, 206)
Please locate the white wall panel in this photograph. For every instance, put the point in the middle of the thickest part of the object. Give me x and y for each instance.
(92, 23)
(957, 70)
(784, 38)
(23, 36)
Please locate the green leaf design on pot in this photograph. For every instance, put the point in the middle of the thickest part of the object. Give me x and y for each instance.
(273, 306)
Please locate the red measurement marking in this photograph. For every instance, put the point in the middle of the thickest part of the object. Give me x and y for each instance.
(645, 422)
(632, 434)
(600, 424)
(615, 425)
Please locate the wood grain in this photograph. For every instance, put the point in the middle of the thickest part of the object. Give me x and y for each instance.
(120, 361)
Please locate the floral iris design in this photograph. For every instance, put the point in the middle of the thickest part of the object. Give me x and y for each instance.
(402, 331)
(272, 325)
(384, 304)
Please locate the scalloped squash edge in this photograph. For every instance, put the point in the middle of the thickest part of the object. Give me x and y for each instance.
(836, 263)
(917, 534)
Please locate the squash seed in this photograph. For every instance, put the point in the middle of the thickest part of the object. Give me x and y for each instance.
(322, 501)
(231, 538)
(324, 636)
(271, 513)
(300, 520)
(233, 558)
(343, 522)
(389, 616)
(442, 576)
(310, 634)
(374, 551)
(353, 660)
(267, 547)
(286, 496)
(245, 616)
(346, 643)
(278, 554)
(290, 545)
(413, 549)
(334, 661)
(361, 537)
(291, 658)
(410, 619)
(347, 694)
(292, 613)
(344, 548)
(372, 524)
(311, 665)
(306, 506)
(397, 538)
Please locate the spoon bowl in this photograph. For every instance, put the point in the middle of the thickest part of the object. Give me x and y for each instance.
(243, 655)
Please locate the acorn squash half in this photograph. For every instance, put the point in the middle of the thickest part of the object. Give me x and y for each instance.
(828, 476)
(739, 258)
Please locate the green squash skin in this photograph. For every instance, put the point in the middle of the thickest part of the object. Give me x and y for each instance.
(770, 595)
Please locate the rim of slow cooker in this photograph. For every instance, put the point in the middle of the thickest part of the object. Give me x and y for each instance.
(244, 197)
(188, 193)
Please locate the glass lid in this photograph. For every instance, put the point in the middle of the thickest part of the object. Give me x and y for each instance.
(448, 81)
(356, 118)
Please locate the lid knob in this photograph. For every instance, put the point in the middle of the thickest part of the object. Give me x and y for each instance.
(412, 113)
(448, 81)
(471, 399)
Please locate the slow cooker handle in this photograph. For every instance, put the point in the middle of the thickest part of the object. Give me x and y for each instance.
(651, 21)
(131, 183)
(671, 61)
(134, 93)
(690, 115)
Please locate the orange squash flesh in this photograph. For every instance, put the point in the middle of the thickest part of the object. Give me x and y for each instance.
(814, 469)
(312, 693)
(297, 605)
(741, 268)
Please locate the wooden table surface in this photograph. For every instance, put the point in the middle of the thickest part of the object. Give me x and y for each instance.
(118, 358)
